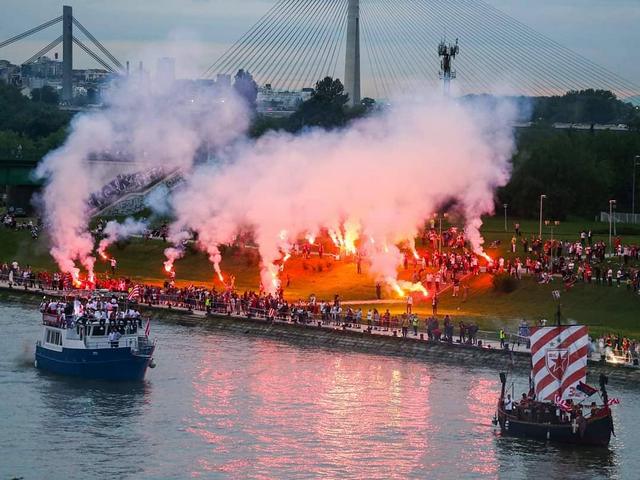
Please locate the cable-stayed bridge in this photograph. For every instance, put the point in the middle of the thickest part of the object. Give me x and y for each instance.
(68, 40)
(383, 47)
(380, 48)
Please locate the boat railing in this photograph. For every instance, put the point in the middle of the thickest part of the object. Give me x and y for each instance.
(622, 359)
(131, 342)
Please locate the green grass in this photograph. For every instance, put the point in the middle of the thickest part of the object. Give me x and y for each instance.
(605, 309)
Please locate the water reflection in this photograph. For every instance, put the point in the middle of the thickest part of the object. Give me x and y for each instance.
(226, 406)
(109, 415)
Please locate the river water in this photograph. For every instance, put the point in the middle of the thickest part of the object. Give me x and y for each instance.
(220, 405)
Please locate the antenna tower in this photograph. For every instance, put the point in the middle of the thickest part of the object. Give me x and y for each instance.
(447, 53)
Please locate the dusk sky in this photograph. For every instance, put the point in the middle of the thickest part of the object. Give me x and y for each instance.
(606, 31)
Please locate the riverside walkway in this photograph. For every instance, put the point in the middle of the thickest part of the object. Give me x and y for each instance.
(483, 339)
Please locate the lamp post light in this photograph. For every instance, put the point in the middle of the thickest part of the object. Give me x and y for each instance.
(636, 162)
(542, 197)
(440, 217)
(505, 216)
(611, 205)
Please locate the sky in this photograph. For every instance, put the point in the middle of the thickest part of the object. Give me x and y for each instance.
(196, 32)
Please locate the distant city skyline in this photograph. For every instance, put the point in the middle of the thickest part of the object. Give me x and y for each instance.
(196, 32)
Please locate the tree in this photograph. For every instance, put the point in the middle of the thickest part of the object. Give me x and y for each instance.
(45, 94)
(325, 108)
(246, 87)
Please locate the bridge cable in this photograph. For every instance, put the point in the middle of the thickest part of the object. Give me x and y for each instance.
(93, 54)
(315, 58)
(577, 63)
(44, 50)
(254, 30)
(95, 41)
(264, 53)
(333, 27)
(22, 35)
(532, 59)
(385, 74)
(554, 46)
(311, 46)
(297, 44)
(470, 26)
(255, 40)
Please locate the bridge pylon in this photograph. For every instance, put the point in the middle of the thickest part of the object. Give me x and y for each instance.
(67, 53)
(352, 57)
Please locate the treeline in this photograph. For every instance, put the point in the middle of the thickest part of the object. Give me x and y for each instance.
(29, 128)
(327, 108)
(579, 171)
(585, 106)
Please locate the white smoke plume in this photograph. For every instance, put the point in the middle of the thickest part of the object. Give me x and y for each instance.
(375, 181)
(145, 124)
(115, 231)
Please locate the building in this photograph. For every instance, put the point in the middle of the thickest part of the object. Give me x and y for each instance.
(277, 102)
(10, 73)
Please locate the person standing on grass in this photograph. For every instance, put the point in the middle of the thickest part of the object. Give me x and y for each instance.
(409, 303)
(434, 304)
(114, 263)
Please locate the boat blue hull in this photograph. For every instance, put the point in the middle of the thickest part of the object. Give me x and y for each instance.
(118, 364)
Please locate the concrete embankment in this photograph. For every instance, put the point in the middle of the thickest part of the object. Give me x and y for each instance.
(350, 340)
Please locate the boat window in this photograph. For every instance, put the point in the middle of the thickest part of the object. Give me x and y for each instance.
(54, 337)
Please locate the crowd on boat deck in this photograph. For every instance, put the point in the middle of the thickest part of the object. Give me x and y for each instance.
(105, 315)
(531, 410)
(581, 260)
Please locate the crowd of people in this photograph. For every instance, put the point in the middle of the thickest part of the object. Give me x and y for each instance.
(581, 260)
(617, 348)
(107, 317)
(11, 222)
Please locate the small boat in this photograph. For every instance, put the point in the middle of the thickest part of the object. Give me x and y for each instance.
(81, 346)
(558, 406)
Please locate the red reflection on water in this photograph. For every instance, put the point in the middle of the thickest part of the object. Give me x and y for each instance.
(323, 413)
(481, 403)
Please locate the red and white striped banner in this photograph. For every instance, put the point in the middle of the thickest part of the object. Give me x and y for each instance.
(559, 359)
(134, 293)
(147, 327)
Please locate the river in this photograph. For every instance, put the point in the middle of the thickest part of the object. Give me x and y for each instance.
(219, 405)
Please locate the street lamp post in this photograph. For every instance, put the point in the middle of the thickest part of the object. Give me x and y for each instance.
(440, 217)
(542, 197)
(505, 216)
(633, 191)
(611, 204)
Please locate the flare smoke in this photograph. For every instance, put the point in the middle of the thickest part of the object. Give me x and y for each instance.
(375, 181)
(142, 126)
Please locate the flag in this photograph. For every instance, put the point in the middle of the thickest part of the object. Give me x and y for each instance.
(271, 313)
(588, 390)
(556, 294)
(147, 327)
(562, 404)
(559, 359)
(134, 293)
(613, 401)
